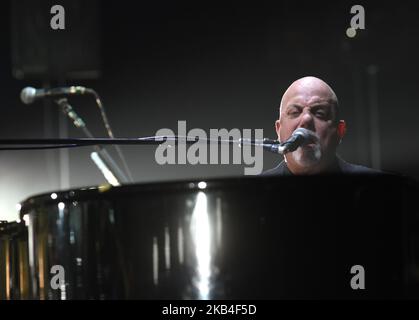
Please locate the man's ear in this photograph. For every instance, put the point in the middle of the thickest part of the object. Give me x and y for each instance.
(341, 129)
(277, 126)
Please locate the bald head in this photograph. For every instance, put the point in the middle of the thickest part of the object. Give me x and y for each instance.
(310, 89)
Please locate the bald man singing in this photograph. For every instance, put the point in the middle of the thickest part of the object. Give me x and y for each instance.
(311, 103)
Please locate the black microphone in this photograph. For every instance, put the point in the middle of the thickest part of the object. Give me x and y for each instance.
(28, 95)
(299, 137)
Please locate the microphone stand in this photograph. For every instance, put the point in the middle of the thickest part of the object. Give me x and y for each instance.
(33, 144)
(102, 154)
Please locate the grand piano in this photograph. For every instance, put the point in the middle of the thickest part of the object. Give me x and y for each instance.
(323, 237)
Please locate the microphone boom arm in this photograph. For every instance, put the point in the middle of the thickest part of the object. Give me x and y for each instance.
(104, 156)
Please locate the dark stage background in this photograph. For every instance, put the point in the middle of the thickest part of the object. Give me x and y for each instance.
(215, 65)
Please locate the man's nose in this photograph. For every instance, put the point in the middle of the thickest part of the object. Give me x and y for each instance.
(307, 121)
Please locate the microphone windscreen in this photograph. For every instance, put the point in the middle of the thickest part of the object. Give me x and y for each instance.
(28, 95)
(308, 135)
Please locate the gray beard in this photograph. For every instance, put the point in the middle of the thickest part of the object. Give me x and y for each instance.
(307, 157)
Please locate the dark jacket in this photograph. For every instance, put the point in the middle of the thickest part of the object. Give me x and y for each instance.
(339, 167)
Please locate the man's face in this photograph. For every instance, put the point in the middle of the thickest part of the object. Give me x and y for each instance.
(310, 106)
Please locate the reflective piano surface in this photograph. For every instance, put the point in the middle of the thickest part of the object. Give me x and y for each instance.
(239, 238)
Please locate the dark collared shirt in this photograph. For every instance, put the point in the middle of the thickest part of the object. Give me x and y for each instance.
(339, 167)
